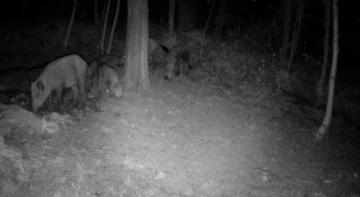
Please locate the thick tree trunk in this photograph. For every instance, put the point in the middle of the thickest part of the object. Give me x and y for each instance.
(296, 34)
(171, 18)
(136, 60)
(324, 128)
(104, 28)
(113, 26)
(285, 41)
(70, 25)
(320, 84)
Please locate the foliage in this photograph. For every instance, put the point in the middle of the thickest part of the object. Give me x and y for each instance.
(230, 64)
(249, 64)
(47, 38)
(346, 102)
(264, 35)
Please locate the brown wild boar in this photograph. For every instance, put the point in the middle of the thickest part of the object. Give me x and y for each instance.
(66, 72)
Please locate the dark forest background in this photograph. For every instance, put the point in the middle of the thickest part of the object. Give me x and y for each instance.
(255, 26)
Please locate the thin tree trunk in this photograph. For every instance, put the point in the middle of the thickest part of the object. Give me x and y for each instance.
(221, 25)
(189, 14)
(180, 17)
(136, 60)
(320, 85)
(163, 15)
(25, 6)
(171, 17)
(207, 23)
(61, 9)
(193, 17)
(103, 11)
(96, 14)
(324, 128)
(52, 8)
(113, 27)
(104, 28)
(184, 13)
(285, 41)
(296, 34)
(70, 25)
(220, 19)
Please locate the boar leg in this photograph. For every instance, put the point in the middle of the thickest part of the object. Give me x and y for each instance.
(59, 97)
(75, 91)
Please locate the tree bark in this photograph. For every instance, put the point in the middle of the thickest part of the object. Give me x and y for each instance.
(285, 41)
(70, 25)
(136, 60)
(320, 84)
(113, 27)
(324, 128)
(171, 18)
(104, 28)
(296, 33)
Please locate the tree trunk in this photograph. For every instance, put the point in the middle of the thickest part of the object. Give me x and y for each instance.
(61, 9)
(103, 10)
(163, 15)
(70, 25)
(24, 6)
(296, 33)
(186, 13)
(320, 85)
(104, 28)
(285, 41)
(96, 13)
(171, 18)
(220, 19)
(53, 3)
(113, 27)
(207, 23)
(324, 128)
(136, 60)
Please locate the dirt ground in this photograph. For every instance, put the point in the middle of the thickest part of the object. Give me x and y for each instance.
(184, 138)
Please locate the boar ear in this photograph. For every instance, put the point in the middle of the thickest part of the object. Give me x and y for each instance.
(40, 85)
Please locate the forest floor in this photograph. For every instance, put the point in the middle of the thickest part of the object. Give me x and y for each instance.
(184, 138)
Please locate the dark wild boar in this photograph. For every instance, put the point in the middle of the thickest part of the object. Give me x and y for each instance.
(177, 63)
(109, 79)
